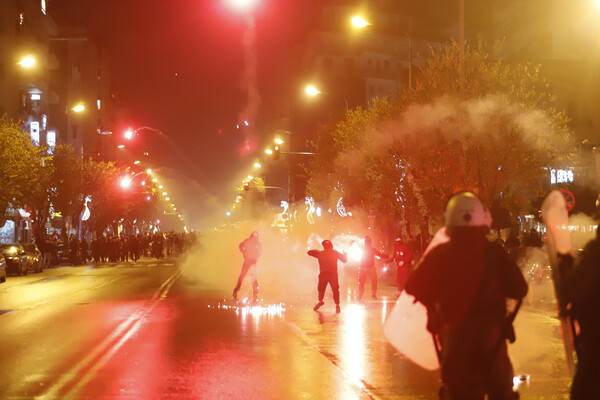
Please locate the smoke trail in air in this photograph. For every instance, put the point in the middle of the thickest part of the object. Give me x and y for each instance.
(249, 77)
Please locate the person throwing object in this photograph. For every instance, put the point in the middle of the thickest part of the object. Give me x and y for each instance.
(328, 274)
(251, 249)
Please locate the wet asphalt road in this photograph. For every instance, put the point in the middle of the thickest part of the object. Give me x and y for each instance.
(145, 331)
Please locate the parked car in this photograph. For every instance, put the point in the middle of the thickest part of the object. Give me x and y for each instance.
(16, 260)
(34, 257)
(2, 269)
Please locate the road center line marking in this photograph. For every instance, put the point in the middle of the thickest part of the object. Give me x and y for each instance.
(107, 348)
(359, 383)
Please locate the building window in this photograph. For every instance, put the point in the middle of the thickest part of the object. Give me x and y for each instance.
(34, 129)
(99, 104)
(386, 65)
(75, 73)
(21, 18)
(369, 63)
(327, 63)
(378, 66)
(51, 139)
(349, 64)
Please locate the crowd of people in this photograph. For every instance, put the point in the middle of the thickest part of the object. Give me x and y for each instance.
(464, 284)
(62, 249)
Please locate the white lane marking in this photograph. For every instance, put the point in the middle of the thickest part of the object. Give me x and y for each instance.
(100, 355)
(359, 383)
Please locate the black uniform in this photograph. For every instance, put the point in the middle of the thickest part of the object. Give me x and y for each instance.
(328, 274)
(464, 285)
(582, 288)
(367, 269)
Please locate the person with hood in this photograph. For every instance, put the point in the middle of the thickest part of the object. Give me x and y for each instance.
(464, 284)
(328, 273)
(367, 268)
(404, 261)
(251, 249)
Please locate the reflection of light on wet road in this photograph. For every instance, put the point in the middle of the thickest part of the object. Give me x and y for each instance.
(271, 310)
(353, 343)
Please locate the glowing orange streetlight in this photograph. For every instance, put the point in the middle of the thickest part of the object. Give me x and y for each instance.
(312, 91)
(78, 108)
(359, 22)
(27, 62)
(125, 182)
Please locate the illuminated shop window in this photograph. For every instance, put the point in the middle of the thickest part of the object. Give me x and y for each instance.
(34, 129)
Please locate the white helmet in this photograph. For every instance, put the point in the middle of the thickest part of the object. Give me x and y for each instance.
(465, 209)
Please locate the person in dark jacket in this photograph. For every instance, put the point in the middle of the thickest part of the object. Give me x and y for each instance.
(464, 284)
(404, 261)
(328, 274)
(582, 291)
(367, 268)
(251, 249)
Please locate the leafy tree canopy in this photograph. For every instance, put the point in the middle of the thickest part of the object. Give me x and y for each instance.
(483, 125)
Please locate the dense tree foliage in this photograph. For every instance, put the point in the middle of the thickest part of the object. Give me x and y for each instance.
(32, 177)
(24, 172)
(482, 124)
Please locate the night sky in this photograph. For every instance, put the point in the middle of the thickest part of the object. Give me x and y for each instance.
(178, 66)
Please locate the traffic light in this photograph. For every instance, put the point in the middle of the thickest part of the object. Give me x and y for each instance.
(276, 153)
(246, 186)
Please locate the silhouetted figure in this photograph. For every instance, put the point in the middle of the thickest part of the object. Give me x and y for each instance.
(251, 249)
(464, 284)
(404, 260)
(328, 273)
(367, 268)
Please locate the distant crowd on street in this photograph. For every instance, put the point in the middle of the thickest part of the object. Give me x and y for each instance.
(61, 249)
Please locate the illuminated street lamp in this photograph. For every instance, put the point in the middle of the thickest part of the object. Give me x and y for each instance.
(269, 151)
(279, 141)
(312, 91)
(121, 146)
(148, 171)
(243, 5)
(125, 182)
(128, 134)
(78, 108)
(257, 165)
(359, 22)
(27, 62)
(136, 162)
